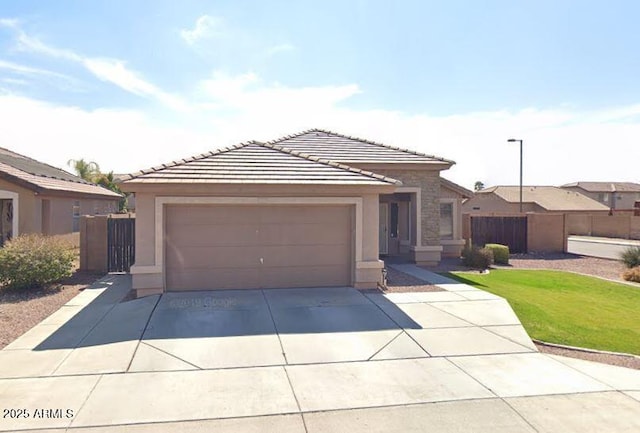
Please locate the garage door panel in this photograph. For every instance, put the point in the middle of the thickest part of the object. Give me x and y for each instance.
(305, 276)
(280, 256)
(303, 234)
(219, 235)
(218, 247)
(205, 279)
(208, 214)
(212, 257)
(304, 214)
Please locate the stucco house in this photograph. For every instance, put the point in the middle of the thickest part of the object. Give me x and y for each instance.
(38, 198)
(506, 199)
(307, 210)
(614, 195)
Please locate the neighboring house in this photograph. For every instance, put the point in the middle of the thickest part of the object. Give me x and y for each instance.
(308, 210)
(38, 198)
(614, 195)
(506, 199)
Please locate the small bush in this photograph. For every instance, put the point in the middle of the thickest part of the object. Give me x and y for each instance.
(500, 253)
(631, 257)
(632, 274)
(32, 261)
(477, 258)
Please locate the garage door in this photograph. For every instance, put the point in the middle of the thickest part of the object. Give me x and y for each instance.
(238, 247)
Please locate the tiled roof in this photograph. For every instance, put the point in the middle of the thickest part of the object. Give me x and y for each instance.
(548, 197)
(464, 192)
(38, 175)
(605, 186)
(342, 148)
(257, 163)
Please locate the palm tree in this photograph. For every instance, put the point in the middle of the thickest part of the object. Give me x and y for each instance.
(87, 170)
(478, 186)
(108, 181)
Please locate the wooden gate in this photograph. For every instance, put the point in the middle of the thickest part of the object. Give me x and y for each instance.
(121, 233)
(511, 231)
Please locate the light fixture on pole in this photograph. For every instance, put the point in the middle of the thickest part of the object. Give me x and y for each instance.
(514, 140)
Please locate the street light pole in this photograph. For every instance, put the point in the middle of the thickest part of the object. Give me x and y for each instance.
(513, 140)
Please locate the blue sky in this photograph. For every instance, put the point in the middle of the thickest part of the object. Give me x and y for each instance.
(130, 84)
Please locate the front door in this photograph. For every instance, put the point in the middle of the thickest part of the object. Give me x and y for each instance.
(383, 229)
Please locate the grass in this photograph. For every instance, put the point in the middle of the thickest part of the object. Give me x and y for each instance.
(565, 308)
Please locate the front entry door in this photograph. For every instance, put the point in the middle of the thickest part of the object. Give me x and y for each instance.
(383, 230)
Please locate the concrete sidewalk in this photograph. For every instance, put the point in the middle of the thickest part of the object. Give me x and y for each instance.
(308, 360)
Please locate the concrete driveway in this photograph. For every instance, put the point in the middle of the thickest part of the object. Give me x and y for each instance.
(294, 360)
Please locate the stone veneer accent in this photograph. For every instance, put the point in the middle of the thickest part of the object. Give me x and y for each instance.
(429, 182)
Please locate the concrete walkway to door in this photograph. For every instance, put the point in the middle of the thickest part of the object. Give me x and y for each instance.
(303, 360)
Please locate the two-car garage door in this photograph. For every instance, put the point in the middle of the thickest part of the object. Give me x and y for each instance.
(247, 246)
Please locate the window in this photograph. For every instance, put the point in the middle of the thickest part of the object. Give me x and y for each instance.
(76, 216)
(603, 197)
(446, 220)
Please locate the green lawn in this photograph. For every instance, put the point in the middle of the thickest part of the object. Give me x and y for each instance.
(565, 308)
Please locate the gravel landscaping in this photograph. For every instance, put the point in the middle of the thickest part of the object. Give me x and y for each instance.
(20, 310)
(603, 268)
(398, 282)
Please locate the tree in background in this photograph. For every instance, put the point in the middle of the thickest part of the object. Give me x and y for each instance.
(87, 170)
(90, 171)
(478, 185)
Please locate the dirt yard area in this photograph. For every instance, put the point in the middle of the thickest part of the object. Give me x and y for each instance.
(20, 310)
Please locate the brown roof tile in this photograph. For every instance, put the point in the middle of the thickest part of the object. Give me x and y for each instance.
(53, 184)
(605, 186)
(342, 148)
(257, 163)
(551, 198)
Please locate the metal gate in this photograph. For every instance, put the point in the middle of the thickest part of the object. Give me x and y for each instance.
(121, 233)
(511, 231)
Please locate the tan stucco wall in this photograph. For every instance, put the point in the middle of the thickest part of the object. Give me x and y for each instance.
(545, 232)
(61, 211)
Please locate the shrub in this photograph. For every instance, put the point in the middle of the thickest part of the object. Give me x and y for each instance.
(477, 258)
(32, 261)
(632, 274)
(631, 257)
(500, 253)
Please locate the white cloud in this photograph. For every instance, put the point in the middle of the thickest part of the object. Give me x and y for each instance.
(28, 70)
(560, 145)
(205, 27)
(280, 48)
(113, 71)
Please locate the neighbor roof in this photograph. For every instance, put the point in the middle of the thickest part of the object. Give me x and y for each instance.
(258, 163)
(548, 197)
(345, 149)
(39, 176)
(605, 186)
(464, 192)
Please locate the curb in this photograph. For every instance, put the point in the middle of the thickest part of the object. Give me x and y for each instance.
(584, 349)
